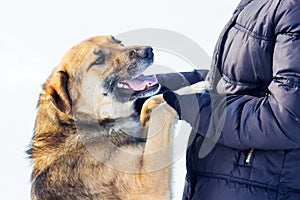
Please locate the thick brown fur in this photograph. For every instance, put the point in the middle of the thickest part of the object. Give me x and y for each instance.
(87, 144)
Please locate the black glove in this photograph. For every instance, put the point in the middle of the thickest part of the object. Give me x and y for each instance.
(172, 99)
(188, 106)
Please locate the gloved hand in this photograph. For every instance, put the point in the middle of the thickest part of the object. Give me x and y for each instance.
(190, 106)
(172, 99)
(204, 111)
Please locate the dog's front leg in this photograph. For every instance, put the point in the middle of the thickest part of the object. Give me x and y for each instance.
(158, 149)
(157, 155)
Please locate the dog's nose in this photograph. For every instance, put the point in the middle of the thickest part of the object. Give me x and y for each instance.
(147, 53)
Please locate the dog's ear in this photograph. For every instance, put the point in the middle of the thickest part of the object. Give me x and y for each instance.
(58, 90)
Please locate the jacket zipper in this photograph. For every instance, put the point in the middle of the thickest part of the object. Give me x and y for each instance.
(249, 156)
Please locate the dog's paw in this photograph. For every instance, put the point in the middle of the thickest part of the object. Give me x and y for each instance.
(166, 109)
(149, 105)
(195, 88)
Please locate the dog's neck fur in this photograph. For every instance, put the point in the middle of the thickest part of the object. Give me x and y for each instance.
(76, 132)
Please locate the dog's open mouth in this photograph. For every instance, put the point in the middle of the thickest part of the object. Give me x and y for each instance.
(139, 87)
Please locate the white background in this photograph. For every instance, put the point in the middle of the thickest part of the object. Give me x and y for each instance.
(35, 34)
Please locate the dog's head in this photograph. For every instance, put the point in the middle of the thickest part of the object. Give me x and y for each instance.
(101, 77)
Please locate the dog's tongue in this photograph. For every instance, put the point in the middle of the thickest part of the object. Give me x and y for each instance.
(141, 83)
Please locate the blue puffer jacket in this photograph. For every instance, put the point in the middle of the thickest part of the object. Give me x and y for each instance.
(253, 109)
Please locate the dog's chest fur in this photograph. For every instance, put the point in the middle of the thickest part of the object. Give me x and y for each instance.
(102, 161)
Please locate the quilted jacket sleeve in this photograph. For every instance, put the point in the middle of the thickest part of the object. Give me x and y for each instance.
(270, 122)
(174, 81)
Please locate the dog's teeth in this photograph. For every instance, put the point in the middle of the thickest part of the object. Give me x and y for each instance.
(121, 85)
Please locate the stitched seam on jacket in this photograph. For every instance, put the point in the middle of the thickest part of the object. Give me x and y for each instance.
(291, 34)
(225, 177)
(239, 180)
(228, 80)
(253, 34)
(280, 177)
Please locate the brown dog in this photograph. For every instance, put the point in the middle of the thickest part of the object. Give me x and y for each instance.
(88, 141)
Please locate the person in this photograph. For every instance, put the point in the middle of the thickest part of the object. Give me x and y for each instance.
(253, 107)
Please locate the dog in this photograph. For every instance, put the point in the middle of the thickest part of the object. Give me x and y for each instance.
(89, 142)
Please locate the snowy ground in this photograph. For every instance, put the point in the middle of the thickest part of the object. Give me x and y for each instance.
(34, 36)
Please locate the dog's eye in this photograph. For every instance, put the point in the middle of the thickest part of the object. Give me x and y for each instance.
(99, 60)
(101, 57)
(132, 54)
